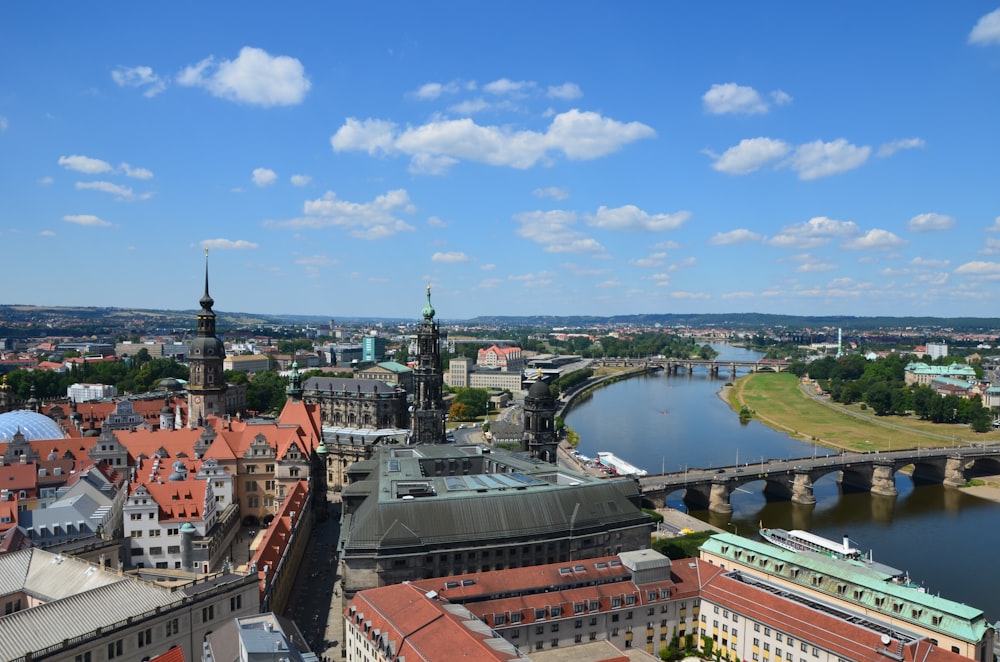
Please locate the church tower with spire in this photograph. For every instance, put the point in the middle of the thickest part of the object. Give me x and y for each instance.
(427, 417)
(206, 386)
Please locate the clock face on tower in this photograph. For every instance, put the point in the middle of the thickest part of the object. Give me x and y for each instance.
(197, 400)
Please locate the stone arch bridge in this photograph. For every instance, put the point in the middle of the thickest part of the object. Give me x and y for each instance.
(793, 479)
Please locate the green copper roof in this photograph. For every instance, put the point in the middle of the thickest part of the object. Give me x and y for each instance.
(428, 311)
(847, 581)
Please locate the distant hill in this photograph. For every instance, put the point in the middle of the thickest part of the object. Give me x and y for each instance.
(14, 319)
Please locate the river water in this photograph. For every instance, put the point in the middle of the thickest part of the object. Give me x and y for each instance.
(945, 539)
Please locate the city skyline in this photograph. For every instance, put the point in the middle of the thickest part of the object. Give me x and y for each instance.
(522, 160)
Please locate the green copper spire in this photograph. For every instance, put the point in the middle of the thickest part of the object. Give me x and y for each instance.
(428, 310)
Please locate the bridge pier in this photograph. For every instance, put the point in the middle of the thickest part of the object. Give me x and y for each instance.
(802, 489)
(954, 471)
(883, 479)
(718, 500)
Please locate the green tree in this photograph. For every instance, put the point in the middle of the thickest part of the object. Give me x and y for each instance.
(475, 401)
(879, 397)
(266, 392)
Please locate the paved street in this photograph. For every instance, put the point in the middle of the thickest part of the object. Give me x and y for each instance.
(316, 597)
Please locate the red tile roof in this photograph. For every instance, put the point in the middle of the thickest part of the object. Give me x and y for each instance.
(419, 627)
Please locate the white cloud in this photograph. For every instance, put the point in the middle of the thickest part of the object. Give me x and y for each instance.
(690, 295)
(227, 244)
(821, 159)
(564, 91)
(630, 217)
(553, 230)
(781, 98)
(996, 225)
(725, 98)
(653, 260)
(470, 106)
(439, 144)
(551, 192)
(300, 180)
(507, 87)
(121, 192)
(738, 295)
(371, 135)
(431, 91)
(930, 222)
(254, 77)
(980, 269)
(317, 261)
(815, 232)
(135, 173)
(740, 236)
(139, 77)
(488, 267)
(47, 233)
(875, 240)
(608, 284)
(428, 164)
(436, 222)
(987, 29)
(992, 246)
(372, 220)
(815, 267)
(88, 220)
(264, 177)
(750, 155)
(890, 148)
(450, 258)
(46, 181)
(3, 124)
(84, 164)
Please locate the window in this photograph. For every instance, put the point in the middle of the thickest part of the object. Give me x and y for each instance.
(85, 657)
(235, 602)
(778, 637)
(154, 533)
(540, 630)
(578, 623)
(155, 550)
(578, 639)
(515, 617)
(114, 649)
(145, 637)
(207, 613)
(803, 647)
(539, 614)
(555, 643)
(173, 532)
(555, 627)
(173, 549)
(172, 628)
(136, 534)
(499, 619)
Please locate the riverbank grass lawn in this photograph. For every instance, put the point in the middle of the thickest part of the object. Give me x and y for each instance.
(782, 402)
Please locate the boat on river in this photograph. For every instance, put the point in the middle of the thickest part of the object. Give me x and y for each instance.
(618, 466)
(803, 541)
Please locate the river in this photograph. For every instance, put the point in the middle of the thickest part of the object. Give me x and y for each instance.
(945, 539)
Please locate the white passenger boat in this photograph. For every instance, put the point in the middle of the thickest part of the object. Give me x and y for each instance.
(618, 466)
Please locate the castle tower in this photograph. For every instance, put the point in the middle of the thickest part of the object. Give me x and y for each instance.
(206, 386)
(427, 417)
(540, 423)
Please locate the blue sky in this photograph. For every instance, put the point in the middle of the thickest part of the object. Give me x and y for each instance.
(521, 157)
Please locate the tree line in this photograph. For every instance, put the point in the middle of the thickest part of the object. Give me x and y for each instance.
(881, 385)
